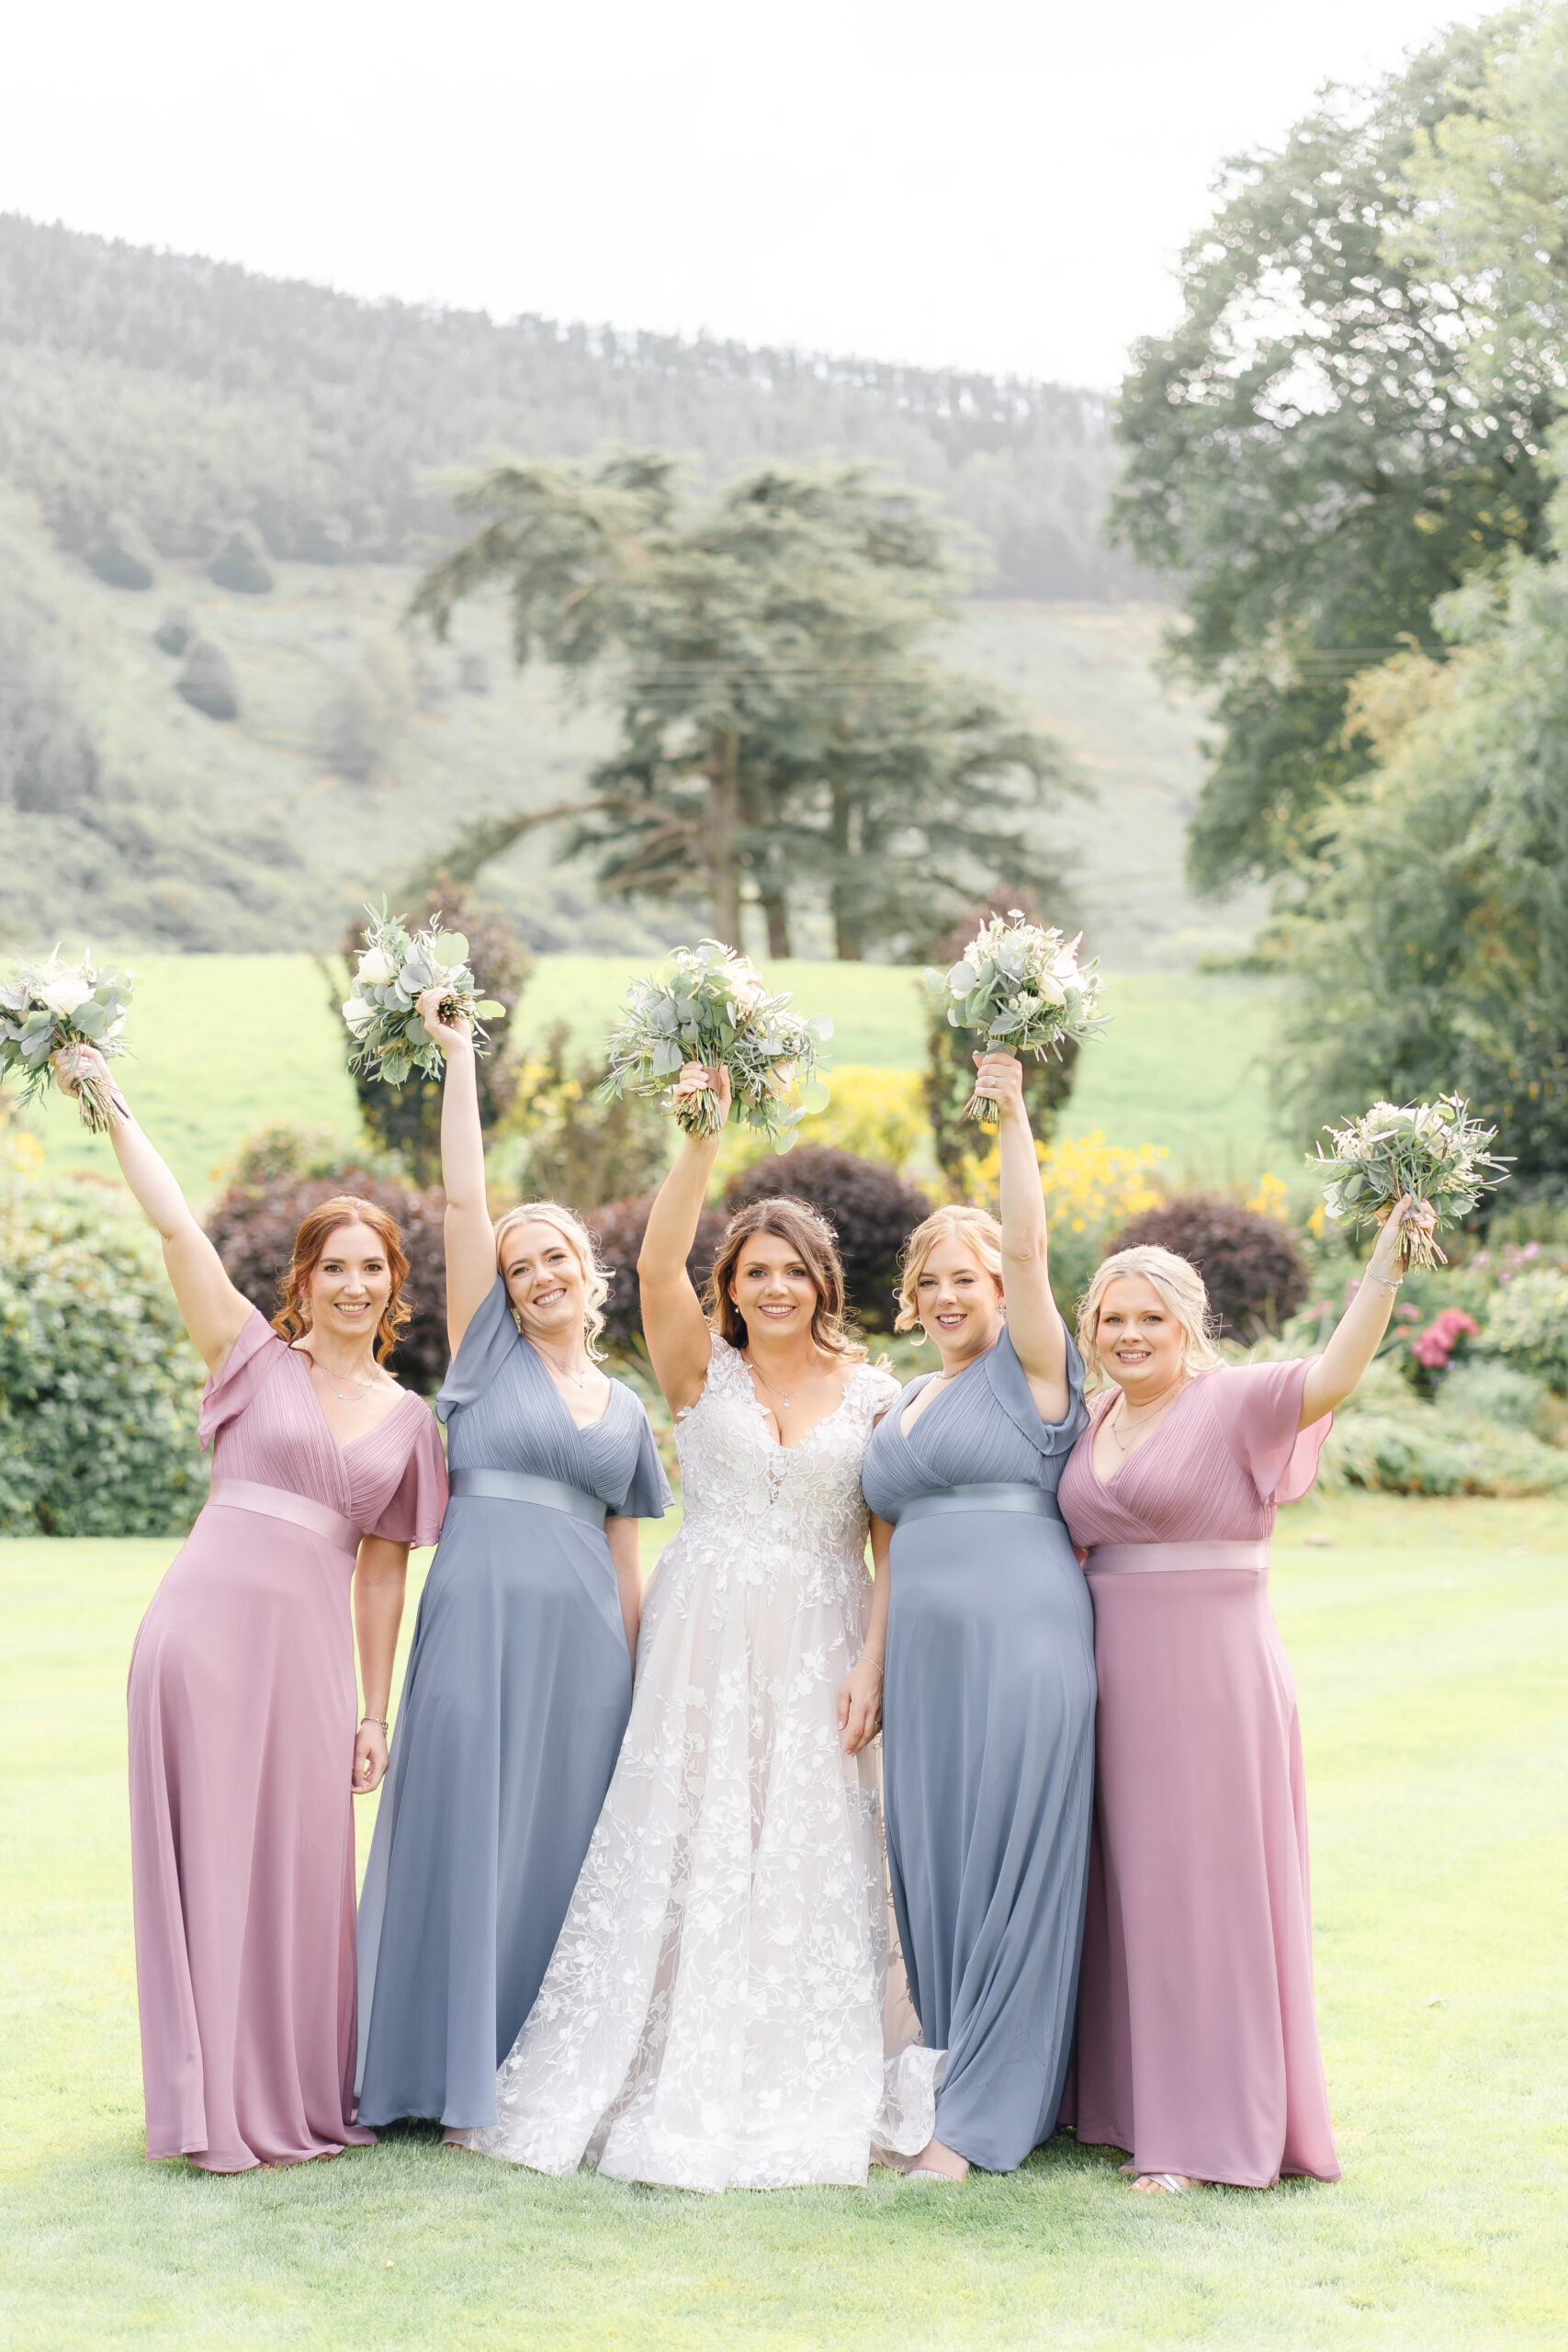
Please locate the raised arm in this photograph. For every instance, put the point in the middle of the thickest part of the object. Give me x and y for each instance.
(213, 1311)
(674, 1326)
(467, 1232)
(1332, 1376)
(1034, 1321)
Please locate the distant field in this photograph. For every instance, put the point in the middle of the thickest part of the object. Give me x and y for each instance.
(226, 1043)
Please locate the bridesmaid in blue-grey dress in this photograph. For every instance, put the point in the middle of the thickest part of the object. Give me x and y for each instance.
(519, 1682)
(988, 1739)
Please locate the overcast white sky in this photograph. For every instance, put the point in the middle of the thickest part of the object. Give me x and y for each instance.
(1002, 184)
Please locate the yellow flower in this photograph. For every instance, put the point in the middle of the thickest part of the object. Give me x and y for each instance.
(1272, 1198)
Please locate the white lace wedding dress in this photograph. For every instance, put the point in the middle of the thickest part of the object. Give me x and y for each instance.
(713, 2014)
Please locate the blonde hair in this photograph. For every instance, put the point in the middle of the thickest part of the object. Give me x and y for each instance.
(1179, 1285)
(976, 1228)
(576, 1234)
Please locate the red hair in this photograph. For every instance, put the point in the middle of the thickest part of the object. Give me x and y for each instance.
(293, 1318)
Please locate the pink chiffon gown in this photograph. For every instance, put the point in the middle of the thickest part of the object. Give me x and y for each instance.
(242, 1718)
(1197, 2036)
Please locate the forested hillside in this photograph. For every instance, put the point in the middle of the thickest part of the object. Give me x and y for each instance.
(182, 393)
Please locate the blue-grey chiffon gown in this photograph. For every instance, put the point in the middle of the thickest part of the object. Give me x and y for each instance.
(518, 1688)
(988, 1744)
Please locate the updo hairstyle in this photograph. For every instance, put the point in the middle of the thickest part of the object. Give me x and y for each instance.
(976, 1228)
(580, 1242)
(1179, 1285)
(293, 1320)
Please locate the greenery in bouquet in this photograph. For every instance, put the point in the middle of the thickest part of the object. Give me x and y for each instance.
(711, 1006)
(1021, 987)
(1434, 1150)
(47, 1007)
(395, 968)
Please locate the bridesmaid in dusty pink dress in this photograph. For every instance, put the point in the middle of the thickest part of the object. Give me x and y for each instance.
(244, 1751)
(1197, 2035)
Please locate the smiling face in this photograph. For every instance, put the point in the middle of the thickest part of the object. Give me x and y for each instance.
(959, 1302)
(351, 1283)
(772, 1289)
(1142, 1344)
(544, 1280)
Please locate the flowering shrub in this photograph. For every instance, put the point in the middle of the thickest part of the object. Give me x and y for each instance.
(1527, 1323)
(870, 1208)
(98, 1384)
(577, 1147)
(281, 1174)
(1433, 1346)
(1250, 1265)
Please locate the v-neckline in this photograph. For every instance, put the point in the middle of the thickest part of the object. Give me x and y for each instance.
(1105, 1485)
(345, 1450)
(777, 1443)
(949, 1387)
(578, 1429)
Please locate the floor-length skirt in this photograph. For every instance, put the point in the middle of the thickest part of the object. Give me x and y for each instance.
(988, 1770)
(1198, 2047)
(515, 1700)
(241, 1725)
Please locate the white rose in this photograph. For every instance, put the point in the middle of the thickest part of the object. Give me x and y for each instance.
(62, 992)
(356, 1010)
(376, 971)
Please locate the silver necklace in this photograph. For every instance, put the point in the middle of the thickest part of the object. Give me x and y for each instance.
(361, 1384)
(782, 1394)
(1154, 1413)
(580, 1377)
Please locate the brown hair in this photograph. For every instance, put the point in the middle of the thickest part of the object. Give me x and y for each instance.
(1179, 1285)
(293, 1318)
(813, 1240)
(976, 1228)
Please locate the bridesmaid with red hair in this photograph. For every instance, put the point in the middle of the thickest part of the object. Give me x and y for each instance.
(243, 1748)
(1197, 2034)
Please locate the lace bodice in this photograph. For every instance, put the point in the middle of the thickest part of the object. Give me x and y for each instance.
(795, 1511)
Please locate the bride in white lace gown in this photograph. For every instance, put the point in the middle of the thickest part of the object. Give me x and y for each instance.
(715, 2014)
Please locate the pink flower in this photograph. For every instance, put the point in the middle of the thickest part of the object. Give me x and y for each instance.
(1434, 1346)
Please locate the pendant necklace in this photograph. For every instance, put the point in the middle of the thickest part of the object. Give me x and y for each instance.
(561, 1370)
(1161, 1409)
(361, 1384)
(782, 1394)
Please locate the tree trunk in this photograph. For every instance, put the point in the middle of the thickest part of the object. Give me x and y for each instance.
(721, 847)
(849, 939)
(775, 906)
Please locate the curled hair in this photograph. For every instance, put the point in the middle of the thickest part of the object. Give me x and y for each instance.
(813, 1240)
(978, 1231)
(575, 1234)
(1179, 1285)
(293, 1318)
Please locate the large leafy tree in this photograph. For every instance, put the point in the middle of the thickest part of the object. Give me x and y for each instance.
(781, 727)
(1309, 451)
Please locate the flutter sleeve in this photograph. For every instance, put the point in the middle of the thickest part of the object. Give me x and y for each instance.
(1010, 1385)
(1263, 1410)
(648, 1492)
(250, 1361)
(483, 1348)
(414, 1512)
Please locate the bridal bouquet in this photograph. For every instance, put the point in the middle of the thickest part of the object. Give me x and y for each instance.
(395, 970)
(46, 1006)
(711, 1007)
(1434, 1151)
(1023, 989)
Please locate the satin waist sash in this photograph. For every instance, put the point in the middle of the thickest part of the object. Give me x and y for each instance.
(521, 1486)
(1120, 1558)
(278, 1502)
(1003, 1496)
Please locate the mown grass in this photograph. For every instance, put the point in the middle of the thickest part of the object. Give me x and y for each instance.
(226, 1043)
(1430, 1643)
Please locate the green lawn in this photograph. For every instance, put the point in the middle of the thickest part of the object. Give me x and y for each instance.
(1431, 1646)
(226, 1043)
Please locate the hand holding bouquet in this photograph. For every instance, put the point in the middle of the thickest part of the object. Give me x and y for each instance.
(395, 970)
(1023, 989)
(1433, 1152)
(55, 1008)
(712, 1008)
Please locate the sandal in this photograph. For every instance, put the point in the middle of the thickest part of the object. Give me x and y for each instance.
(1161, 2184)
